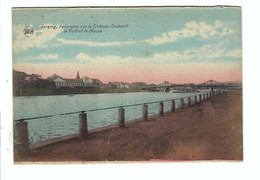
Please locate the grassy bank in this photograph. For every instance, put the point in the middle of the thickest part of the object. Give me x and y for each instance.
(65, 91)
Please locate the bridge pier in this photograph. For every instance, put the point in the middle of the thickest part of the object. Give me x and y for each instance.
(188, 101)
(166, 89)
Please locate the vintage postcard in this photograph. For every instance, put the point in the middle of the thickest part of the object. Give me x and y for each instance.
(127, 84)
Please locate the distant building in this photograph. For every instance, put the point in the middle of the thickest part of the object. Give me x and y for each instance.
(106, 86)
(96, 83)
(62, 82)
(83, 82)
(51, 78)
(137, 85)
(87, 82)
(121, 85)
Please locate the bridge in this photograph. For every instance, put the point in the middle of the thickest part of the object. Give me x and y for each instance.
(166, 86)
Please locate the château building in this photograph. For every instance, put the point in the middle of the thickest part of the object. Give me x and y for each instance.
(77, 82)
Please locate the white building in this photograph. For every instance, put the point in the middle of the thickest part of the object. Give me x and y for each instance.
(62, 82)
(121, 85)
(83, 82)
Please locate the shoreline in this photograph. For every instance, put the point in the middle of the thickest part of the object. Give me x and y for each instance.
(137, 91)
(211, 130)
(66, 94)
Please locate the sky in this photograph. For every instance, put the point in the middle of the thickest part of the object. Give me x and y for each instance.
(151, 45)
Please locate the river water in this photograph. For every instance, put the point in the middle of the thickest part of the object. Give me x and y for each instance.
(62, 125)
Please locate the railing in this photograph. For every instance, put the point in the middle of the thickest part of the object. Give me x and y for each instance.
(21, 126)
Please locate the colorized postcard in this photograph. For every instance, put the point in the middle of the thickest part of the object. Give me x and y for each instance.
(127, 84)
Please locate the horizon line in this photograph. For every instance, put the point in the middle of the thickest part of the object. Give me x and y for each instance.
(138, 81)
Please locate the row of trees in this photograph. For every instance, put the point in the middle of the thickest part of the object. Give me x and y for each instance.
(23, 80)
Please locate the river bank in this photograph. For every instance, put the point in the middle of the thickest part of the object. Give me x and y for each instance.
(211, 130)
(67, 91)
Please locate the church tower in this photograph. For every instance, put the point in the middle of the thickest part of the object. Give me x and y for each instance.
(78, 75)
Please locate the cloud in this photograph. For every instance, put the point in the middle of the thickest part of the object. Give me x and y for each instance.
(218, 24)
(109, 59)
(48, 56)
(191, 29)
(39, 39)
(205, 53)
(235, 53)
(37, 58)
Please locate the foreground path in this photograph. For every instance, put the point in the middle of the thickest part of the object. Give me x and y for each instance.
(211, 130)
